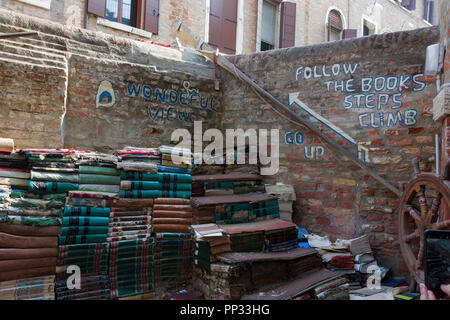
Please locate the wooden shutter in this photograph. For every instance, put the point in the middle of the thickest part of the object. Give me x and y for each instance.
(349, 33)
(287, 24)
(334, 20)
(223, 25)
(97, 7)
(151, 16)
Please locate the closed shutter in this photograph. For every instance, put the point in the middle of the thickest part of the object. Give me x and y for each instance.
(97, 7)
(349, 33)
(151, 17)
(334, 20)
(287, 24)
(223, 25)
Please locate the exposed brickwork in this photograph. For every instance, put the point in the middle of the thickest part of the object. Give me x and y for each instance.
(133, 120)
(334, 197)
(32, 104)
(60, 68)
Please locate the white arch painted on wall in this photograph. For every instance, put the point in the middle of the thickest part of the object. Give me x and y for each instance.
(344, 20)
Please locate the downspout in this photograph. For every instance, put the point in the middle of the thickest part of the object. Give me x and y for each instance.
(348, 14)
(86, 14)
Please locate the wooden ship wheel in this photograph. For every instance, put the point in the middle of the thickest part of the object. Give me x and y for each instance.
(425, 205)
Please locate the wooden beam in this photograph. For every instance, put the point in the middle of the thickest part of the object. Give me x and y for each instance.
(227, 65)
(17, 34)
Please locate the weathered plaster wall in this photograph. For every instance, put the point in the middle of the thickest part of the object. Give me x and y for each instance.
(334, 196)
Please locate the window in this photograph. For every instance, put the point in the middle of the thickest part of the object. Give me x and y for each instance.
(368, 28)
(139, 14)
(334, 26)
(429, 11)
(409, 4)
(276, 24)
(122, 11)
(268, 26)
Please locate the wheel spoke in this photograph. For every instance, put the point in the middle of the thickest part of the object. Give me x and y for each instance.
(409, 237)
(434, 207)
(420, 255)
(414, 215)
(422, 201)
(440, 225)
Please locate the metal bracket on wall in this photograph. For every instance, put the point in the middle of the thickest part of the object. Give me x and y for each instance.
(17, 34)
(230, 67)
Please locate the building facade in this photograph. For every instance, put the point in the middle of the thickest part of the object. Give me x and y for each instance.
(236, 26)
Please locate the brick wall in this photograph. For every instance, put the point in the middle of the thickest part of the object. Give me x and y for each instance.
(31, 104)
(335, 197)
(139, 117)
(50, 84)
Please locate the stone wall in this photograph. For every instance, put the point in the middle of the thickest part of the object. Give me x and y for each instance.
(109, 92)
(32, 103)
(335, 197)
(54, 84)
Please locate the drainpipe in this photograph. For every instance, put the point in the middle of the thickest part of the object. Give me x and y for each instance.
(348, 14)
(86, 14)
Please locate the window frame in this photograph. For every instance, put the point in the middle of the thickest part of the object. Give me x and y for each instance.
(276, 13)
(375, 29)
(426, 6)
(43, 4)
(277, 4)
(327, 27)
(139, 13)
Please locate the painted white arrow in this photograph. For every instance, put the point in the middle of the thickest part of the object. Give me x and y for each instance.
(363, 152)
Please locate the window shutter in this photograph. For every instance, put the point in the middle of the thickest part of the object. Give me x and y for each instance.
(151, 17)
(334, 20)
(97, 7)
(229, 26)
(412, 5)
(215, 24)
(432, 12)
(349, 33)
(223, 25)
(287, 24)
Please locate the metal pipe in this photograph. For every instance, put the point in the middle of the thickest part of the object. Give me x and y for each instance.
(438, 169)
